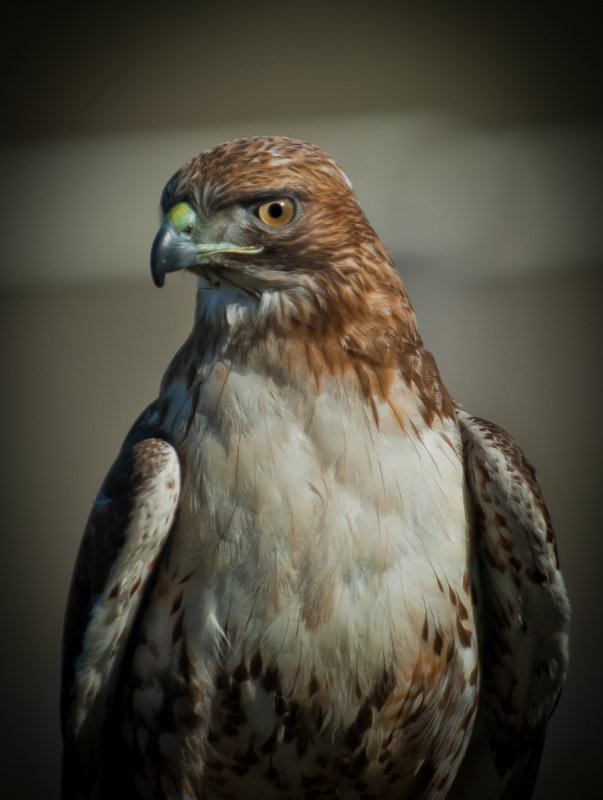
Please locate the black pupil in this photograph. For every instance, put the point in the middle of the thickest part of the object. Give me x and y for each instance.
(275, 210)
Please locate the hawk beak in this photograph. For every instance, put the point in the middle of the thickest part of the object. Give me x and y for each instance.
(176, 247)
(169, 253)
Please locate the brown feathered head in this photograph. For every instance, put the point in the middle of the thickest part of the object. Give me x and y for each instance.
(263, 212)
(277, 219)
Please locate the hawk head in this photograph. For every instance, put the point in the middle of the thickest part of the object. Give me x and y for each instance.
(263, 213)
(271, 225)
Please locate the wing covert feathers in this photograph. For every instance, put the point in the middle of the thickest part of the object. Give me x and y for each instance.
(124, 537)
(523, 614)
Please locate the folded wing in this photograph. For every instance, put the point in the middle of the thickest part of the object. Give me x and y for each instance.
(126, 532)
(523, 616)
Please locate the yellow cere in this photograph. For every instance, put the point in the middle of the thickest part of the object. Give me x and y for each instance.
(181, 216)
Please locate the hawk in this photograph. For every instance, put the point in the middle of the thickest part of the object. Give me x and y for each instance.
(309, 573)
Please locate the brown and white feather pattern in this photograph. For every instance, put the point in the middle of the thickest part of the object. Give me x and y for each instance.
(332, 571)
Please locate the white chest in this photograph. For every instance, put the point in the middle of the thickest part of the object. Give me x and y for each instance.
(319, 562)
(306, 516)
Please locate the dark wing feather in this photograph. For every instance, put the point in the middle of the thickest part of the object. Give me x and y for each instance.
(523, 614)
(124, 537)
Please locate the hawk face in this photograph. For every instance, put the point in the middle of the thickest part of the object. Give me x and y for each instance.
(288, 263)
(245, 214)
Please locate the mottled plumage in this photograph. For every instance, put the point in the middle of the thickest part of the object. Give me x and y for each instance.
(309, 573)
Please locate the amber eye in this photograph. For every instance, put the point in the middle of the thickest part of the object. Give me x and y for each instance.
(276, 213)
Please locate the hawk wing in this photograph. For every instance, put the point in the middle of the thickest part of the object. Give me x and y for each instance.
(124, 537)
(523, 615)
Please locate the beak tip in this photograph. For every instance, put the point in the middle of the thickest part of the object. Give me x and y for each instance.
(158, 277)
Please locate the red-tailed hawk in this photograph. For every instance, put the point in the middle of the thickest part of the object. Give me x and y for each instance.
(309, 573)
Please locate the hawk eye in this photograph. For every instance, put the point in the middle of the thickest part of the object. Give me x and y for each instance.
(276, 213)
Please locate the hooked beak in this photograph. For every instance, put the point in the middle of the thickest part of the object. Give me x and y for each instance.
(176, 247)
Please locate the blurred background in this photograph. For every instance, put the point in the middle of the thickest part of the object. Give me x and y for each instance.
(473, 137)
